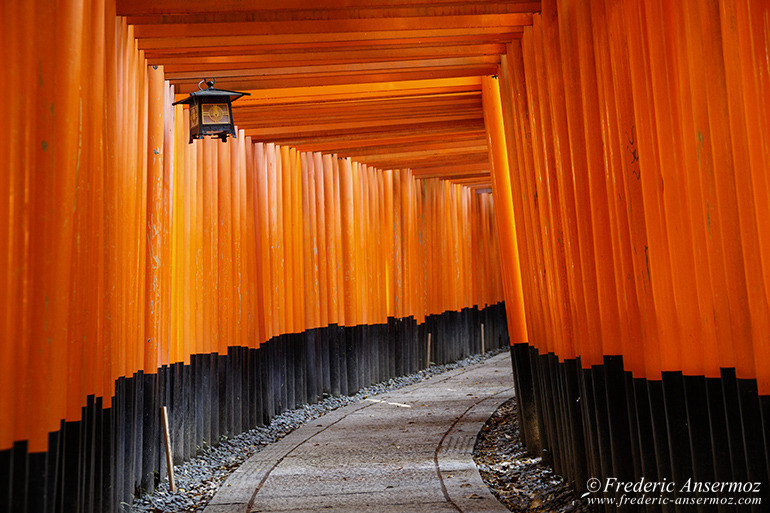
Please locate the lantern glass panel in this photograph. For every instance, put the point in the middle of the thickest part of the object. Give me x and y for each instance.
(215, 113)
(193, 115)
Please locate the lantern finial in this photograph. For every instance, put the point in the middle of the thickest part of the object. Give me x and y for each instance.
(209, 83)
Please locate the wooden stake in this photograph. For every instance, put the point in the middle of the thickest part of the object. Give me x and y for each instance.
(167, 442)
(482, 339)
(427, 359)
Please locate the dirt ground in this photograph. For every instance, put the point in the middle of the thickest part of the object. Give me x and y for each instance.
(520, 482)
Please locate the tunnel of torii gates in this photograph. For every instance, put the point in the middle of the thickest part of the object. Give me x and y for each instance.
(587, 180)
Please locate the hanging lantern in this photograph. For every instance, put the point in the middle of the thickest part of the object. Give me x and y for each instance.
(211, 111)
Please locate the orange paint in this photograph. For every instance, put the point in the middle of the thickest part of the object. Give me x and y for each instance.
(506, 226)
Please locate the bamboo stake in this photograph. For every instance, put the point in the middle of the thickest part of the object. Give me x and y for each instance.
(167, 443)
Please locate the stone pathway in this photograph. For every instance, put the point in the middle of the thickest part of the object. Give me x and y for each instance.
(405, 451)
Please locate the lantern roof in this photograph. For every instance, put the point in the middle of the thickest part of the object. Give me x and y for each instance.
(212, 93)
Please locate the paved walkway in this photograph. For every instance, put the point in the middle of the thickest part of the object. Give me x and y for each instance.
(406, 451)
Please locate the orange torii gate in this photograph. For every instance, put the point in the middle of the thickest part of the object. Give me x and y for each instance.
(625, 222)
(638, 166)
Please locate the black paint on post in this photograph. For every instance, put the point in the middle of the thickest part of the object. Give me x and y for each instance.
(414, 344)
(274, 377)
(290, 364)
(572, 385)
(391, 346)
(644, 429)
(342, 359)
(699, 429)
(246, 401)
(422, 345)
(206, 381)
(571, 422)
(601, 420)
(268, 408)
(753, 438)
(107, 462)
(36, 487)
(247, 381)
(351, 360)
(539, 395)
(314, 379)
(522, 373)
(196, 365)
(189, 412)
(764, 405)
(214, 393)
(659, 432)
(680, 457)
(382, 343)
(283, 372)
(20, 477)
(255, 389)
(163, 399)
(240, 400)
(71, 471)
(86, 461)
(633, 426)
(220, 395)
(439, 337)
(551, 441)
(132, 419)
(121, 439)
(589, 427)
(558, 437)
(300, 372)
(364, 361)
(325, 359)
(720, 447)
(734, 424)
(404, 346)
(617, 417)
(50, 467)
(138, 420)
(248, 377)
(398, 354)
(334, 360)
(367, 356)
(150, 428)
(379, 361)
(6, 483)
(228, 399)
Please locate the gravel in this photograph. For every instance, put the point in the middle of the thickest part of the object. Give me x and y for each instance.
(518, 481)
(198, 479)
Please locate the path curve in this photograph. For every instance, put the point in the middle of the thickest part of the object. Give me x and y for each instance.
(405, 451)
